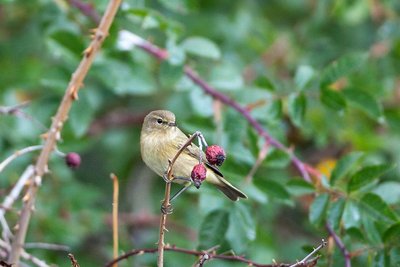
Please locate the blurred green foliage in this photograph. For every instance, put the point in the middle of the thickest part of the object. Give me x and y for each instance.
(322, 77)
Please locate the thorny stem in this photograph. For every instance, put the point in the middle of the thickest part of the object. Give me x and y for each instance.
(53, 134)
(166, 202)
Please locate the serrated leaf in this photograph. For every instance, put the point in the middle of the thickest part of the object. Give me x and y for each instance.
(366, 175)
(241, 227)
(213, 229)
(392, 234)
(304, 74)
(364, 102)
(351, 215)
(298, 187)
(332, 99)
(344, 165)
(297, 108)
(318, 208)
(335, 212)
(342, 67)
(274, 189)
(201, 47)
(376, 208)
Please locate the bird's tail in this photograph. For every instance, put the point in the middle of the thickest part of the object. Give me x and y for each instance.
(229, 190)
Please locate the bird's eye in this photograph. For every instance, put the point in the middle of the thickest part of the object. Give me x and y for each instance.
(159, 121)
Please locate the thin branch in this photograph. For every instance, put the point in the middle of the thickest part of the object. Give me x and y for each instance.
(340, 244)
(308, 257)
(260, 158)
(25, 255)
(48, 246)
(86, 9)
(11, 110)
(74, 262)
(18, 153)
(11, 197)
(115, 216)
(166, 204)
(246, 114)
(53, 135)
(225, 257)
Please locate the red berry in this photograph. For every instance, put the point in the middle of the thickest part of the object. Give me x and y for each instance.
(73, 160)
(215, 155)
(199, 173)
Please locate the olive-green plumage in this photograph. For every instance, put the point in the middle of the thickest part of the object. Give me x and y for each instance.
(161, 139)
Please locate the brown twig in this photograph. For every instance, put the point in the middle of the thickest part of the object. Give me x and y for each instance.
(225, 257)
(74, 262)
(86, 9)
(166, 204)
(59, 119)
(260, 158)
(115, 216)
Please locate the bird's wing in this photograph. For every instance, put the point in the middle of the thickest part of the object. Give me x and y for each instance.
(195, 151)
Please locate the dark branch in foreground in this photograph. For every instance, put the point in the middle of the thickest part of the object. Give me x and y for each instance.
(308, 263)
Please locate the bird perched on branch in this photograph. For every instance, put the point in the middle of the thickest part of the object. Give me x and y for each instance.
(160, 140)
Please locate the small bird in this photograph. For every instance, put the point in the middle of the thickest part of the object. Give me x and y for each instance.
(160, 140)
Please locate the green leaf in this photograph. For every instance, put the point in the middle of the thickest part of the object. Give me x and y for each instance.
(213, 229)
(392, 234)
(332, 99)
(395, 256)
(276, 158)
(366, 175)
(335, 212)
(298, 187)
(344, 165)
(297, 108)
(264, 82)
(242, 228)
(355, 233)
(376, 208)
(274, 110)
(388, 191)
(318, 208)
(255, 193)
(364, 102)
(82, 112)
(342, 67)
(69, 40)
(381, 259)
(201, 47)
(370, 230)
(351, 215)
(304, 74)
(274, 189)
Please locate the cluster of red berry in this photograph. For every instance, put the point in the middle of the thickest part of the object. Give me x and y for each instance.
(215, 156)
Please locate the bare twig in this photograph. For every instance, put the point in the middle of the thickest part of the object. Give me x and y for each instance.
(18, 153)
(48, 246)
(53, 134)
(115, 216)
(308, 257)
(225, 257)
(25, 255)
(11, 197)
(74, 262)
(341, 246)
(11, 110)
(260, 158)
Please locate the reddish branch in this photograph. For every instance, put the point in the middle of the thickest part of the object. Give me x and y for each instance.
(341, 246)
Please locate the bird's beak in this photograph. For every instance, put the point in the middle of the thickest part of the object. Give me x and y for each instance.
(172, 124)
